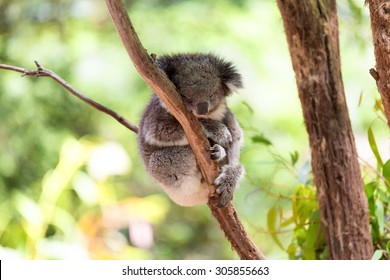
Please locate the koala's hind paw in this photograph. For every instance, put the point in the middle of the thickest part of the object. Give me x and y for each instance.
(225, 195)
(226, 183)
(218, 153)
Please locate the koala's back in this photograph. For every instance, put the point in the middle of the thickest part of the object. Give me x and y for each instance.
(155, 128)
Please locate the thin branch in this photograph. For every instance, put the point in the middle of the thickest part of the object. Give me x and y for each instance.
(374, 170)
(162, 86)
(42, 72)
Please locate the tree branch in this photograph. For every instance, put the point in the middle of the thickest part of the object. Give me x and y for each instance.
(42, 72)
(162, 86)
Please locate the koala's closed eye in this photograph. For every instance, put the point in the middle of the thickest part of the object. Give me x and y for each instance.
(186, 98)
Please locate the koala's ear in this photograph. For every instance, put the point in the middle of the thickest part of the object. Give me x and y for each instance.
(231, 79)
(166, 64)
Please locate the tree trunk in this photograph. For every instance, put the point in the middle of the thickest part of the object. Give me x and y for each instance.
(380, 25)
(312, 33)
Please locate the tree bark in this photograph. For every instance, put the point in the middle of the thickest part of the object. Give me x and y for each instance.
(380, 25)
(160, 84)
(312, 33)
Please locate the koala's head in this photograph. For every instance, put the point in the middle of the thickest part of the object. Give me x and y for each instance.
(203, 81)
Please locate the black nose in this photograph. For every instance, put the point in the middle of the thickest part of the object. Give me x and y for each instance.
(202, 108)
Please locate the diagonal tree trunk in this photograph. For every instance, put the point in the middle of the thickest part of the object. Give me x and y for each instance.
(312, 33)
(380, 25)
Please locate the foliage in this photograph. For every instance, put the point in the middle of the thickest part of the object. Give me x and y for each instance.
(296, 214)
(377, 189)
(301, 216)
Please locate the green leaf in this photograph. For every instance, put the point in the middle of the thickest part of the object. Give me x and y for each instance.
(386, 172)
(375, 231)
(288, 222)
(325, 254)
(271, 223)
(370, 188)
(309, 250)
(383, 196)
(380, 216)
(294, 157)
(300, 235)
(388, 248)
(261, 139)
(378, 105)
(374, 147)
(305, 203)
(292, 251)
(377, 255)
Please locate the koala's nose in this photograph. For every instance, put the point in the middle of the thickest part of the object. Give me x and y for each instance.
(202, 108)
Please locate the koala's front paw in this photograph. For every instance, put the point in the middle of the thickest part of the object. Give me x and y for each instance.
(226, 183)
(218, 153)
(222, 136)
(217, 132)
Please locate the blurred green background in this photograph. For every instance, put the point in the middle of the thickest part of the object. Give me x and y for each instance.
(71, 182)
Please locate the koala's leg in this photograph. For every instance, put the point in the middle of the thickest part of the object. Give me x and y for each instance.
(176, 170)
(227, 182)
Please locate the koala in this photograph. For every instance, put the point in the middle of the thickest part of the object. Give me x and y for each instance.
(203, 82)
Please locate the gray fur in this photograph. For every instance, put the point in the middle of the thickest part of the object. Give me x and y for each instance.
(203, 81)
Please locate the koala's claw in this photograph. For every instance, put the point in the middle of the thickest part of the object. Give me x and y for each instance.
(218, 153)
(226, 183)
(225, 195)
(225, 189)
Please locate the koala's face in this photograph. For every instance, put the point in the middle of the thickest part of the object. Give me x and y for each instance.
(203, 80)
(201, 90)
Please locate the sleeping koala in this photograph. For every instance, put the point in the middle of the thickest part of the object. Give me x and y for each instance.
(203, 82)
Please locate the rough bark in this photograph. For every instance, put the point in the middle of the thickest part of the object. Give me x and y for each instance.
(312, 33)
(159, 83)
(380, 25)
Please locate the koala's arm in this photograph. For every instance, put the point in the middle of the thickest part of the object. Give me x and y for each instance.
(232, 171)
(217, 132)
(161, 129)
(225, 137)
(233, 152)
(226, 133)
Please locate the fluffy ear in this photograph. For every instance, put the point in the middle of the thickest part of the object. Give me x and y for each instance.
(165, 63)
(231, 79)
